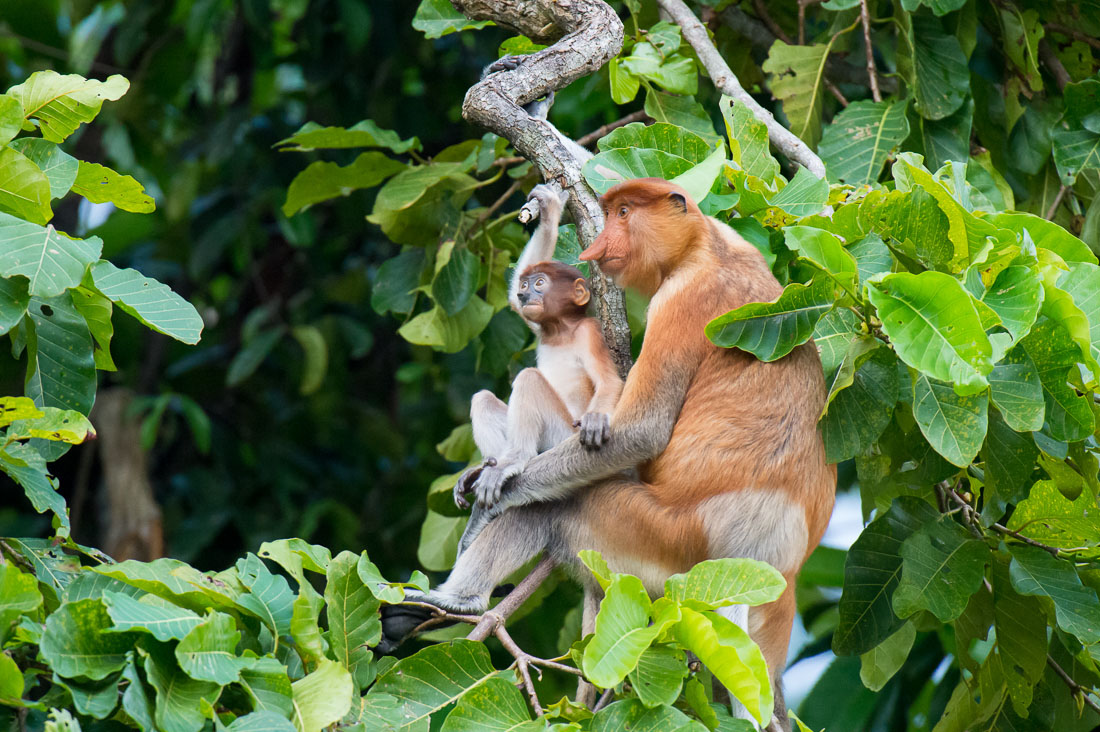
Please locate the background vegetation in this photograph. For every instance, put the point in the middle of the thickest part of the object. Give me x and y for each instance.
(960, 342)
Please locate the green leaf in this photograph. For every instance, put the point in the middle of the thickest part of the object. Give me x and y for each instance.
(872, 571)
(1035, 572)
(59, 425)
(698, 180)
(720, 582)
(933, 64)
(51, 261)
(824, 251)
(933, 326)
(60, 363)
(437, 18)
(1050, 348)
(269, 597)
(322, 180)
(1047, 516)
(322, 697)
(1075, 151)
(414, 205)
(858, 414)
(771, 330)
(1015, 296)
(96, 311)
(449, 334)
(434, 677)
(943, 565)
(268, 686)
(878, 665)
(954, 425)
(833, 337)
(659, 675)
(456, 280)
(11, 118)
(14, 299)
(1046, 235)
(96, 699)
(858, 141)
(805, 195)
(494, 705)
(658, 136)
(256, 348)
(623, 632)
(312, 136)
(135, 699)
(376, 584)
(1082, 283)
(624, 85)
(100, 184)
(352, 613)
(728, 653)
(315, 349)
(1021, 628)
(305, 627)
(798, 80)
(74, 643)
(673, 72)
(680, 111)
(25, 465)
(18, 595)
(1009, 458)
(397, 278)
(294, 555)
(24, 188)
(173, 580)
(179, 697)
(630, 715)
(748, 138)
(261, 722)
(912, 223)
(61, 103)
(150, 613)
(151, 302)
(439, 537)
(16, 408)
(11, 681)
(207, 652)
(609, 168)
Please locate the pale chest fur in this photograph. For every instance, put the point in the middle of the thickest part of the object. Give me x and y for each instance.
(566, 373)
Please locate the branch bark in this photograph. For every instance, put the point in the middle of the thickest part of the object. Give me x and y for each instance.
(726, 81)
(585, 34)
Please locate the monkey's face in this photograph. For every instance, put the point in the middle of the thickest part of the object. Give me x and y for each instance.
(544, 297)
(532, 295)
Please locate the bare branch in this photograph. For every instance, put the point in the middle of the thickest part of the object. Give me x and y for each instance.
(588, 34)
(865, 17)
(495, 618)
(1075, 688)
(724, 79)
(591, 137)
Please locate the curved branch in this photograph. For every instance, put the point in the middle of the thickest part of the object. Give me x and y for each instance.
(726, 81)
(588, 34)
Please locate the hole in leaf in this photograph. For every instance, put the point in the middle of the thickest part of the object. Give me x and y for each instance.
(47, 310)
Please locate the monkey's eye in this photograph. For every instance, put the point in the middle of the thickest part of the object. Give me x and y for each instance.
(540, 282)
(622, 212)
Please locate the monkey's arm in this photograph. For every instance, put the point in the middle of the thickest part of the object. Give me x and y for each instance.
(595, 423)
(541, 246)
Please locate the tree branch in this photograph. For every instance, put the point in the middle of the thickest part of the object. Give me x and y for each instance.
(585, 34)
(495, 618)
(724, 79)
(1074, 687)
(865, 18)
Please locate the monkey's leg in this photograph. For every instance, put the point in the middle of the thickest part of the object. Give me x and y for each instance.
(770, 626)
(537, 417)
(586, 692)
(489, 420)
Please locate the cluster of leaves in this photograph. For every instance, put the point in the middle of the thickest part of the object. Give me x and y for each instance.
(56, 294)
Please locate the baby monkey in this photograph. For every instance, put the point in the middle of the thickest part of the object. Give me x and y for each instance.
(574, 386)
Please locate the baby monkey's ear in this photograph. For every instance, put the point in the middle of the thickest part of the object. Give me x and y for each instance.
(678, 201)
(581, 294)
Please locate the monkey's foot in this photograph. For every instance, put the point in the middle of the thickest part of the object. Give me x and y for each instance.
(504, 63)
(400, 622)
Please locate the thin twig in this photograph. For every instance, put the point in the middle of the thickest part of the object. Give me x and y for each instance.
(865, 17)
(1027, 540)
(596, 134)
(1054, 64)
(523, 667)
(969, 514)
(16, 556)
(494, 618)
(762, 13)
(1072, 33)
(1074, 687)
(1057, 201)
(605, 697)
(497, 203)
(835, 91)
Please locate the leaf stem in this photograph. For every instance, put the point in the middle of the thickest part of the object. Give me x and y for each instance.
(1074, 687)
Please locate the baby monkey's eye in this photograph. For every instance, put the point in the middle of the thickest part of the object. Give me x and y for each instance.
(622, 212)
(540, 282)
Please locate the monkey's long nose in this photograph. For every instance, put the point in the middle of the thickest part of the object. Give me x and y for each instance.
(595, 252)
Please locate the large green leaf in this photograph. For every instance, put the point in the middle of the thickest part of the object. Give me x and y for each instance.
(833, 337)
(719, 582)
(1009, 458)
(174, 581)
(495, 706)
(59, 167)
(1015, 296)
(61, 103)
(352, 613)
(658, 136)
(728, 653)
(448, 333)
(934, 327)
(322, 697)
(96, 699)
(1047, 516)
(151, 302)
(26, 466)
(97, 311)
(268, 598)
(100, 184)
(872, 256)
(1046, 235)
(164, 620)
(954, 425)
(434, 677)
(50, 261)
(630, 715)
(609, 168)
(659, 675)
(805, 195)
(261, 722)
(24, 188)
(825, 252)
(456, 278)
(60, 362)
(858, 141)
(798, 80)
(323, 180)
(1035, 572)
(623, 632)
(208, 651)
(11, 118)
(312, 136)
(1021, 628)
(698, 180)
(912, 223)
(75, 645)
(680, 111)
(58, 425)
(14, 299)
(18, 595)
(771, 330)
(1075, 151)
(1082, 283)
(859, 413)
(878, 665)
(179, 697)
(871, 572)
(933, 64)
(268, 686)
(1050, 348)
(749, 145)
(437, 18)
(943, 565)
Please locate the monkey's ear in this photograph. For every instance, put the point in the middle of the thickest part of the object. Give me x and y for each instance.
(678, 201)
(581, 294)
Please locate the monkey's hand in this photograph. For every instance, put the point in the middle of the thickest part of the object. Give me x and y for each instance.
(548, 199)
(595, 429)
(466, 481)
(493, 481)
